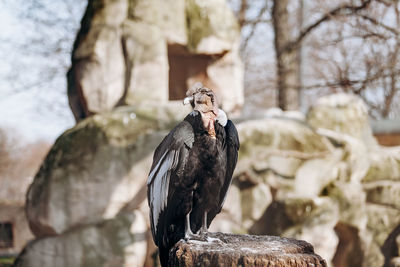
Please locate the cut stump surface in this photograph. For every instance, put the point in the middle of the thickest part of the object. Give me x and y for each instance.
(244, 250)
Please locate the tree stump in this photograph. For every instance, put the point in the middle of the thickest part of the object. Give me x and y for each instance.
(221, 249)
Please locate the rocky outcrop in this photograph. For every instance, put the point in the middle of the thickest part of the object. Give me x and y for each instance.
(95, 169)
(325, 186)
(120, 241)
(342, 113)
(128, 51)
(301, 218)
(331, 184)
(244, 250)
(89, 197)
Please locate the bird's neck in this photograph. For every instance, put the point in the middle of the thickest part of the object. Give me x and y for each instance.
(208, 119)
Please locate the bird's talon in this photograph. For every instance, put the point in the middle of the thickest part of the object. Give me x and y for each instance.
(191, 236)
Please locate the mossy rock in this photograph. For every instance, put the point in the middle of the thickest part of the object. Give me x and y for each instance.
(94, 169)
(264, 138)
(210, 18)
(116, 242)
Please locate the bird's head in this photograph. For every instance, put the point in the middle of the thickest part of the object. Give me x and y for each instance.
(204, 100)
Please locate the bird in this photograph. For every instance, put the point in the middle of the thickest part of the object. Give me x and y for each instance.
(191, 172)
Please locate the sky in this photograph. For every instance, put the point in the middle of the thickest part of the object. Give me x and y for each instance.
(35, 55)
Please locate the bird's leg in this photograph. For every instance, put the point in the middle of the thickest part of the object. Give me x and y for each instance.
(188, 231)
(203, 230)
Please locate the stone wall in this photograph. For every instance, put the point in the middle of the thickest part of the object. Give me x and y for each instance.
(130, 51)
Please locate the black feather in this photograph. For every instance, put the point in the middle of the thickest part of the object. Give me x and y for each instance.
(197, 170)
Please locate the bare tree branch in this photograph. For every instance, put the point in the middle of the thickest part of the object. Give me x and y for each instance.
(254, 24)
(242, 13)
(343, 9)
(377, 23)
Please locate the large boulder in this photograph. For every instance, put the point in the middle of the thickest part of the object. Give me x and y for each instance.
(384, 165)
(130, 51)
(278, 145)
(342, 113)
(230, 218)
(120, 241)
(302, 218)
(280, 152)
(326, 175)
(96, 168)
(327, 185)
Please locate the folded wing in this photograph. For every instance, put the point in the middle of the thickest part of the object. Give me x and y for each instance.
(169, 162)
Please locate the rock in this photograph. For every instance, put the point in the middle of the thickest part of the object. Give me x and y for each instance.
(127, 52)
(212, 27)
(395, 262)
(145, 49)
(227, 72)
(350, 248)
(116, 242)
(94, 81)
(301, 218)
(382, 222)
(352, 203)
(383, 192)
(282, 134)
(385, 165)
(230, 218)
(94, 170)
(342, 113)
(315, 174)
(331, 179)
(391, 247)
(254, 202)
(356, 154)
(272, 150)
(244, 250)
(265, 143)
(284, 166)
(173, 25)
(398, 244)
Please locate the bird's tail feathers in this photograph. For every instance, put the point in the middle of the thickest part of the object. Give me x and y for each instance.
(164, 255)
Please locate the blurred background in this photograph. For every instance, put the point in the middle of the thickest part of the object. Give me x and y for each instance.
(89, 88)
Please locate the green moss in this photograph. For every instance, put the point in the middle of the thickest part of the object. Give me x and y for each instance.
(6, 261)
(257, 140)
(123, 129)
(114, 234)
(383, 168)
(147, 11)
(197, 23)
(117, 232)
(300, 209)
(131, 9)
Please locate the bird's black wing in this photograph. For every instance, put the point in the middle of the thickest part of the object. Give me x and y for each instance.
(232, 147)
(169, 161)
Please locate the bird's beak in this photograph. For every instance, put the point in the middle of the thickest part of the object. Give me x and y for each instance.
(187, 100)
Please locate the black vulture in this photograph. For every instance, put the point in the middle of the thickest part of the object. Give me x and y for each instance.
(191, 172)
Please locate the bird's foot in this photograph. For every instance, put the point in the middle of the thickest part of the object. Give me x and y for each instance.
(201, 235)
(190, 236)
(203, 232)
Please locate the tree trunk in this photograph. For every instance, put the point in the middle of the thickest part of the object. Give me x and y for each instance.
(287, 58)
(244, 250)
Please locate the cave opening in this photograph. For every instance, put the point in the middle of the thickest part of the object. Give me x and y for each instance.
(185, 70)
